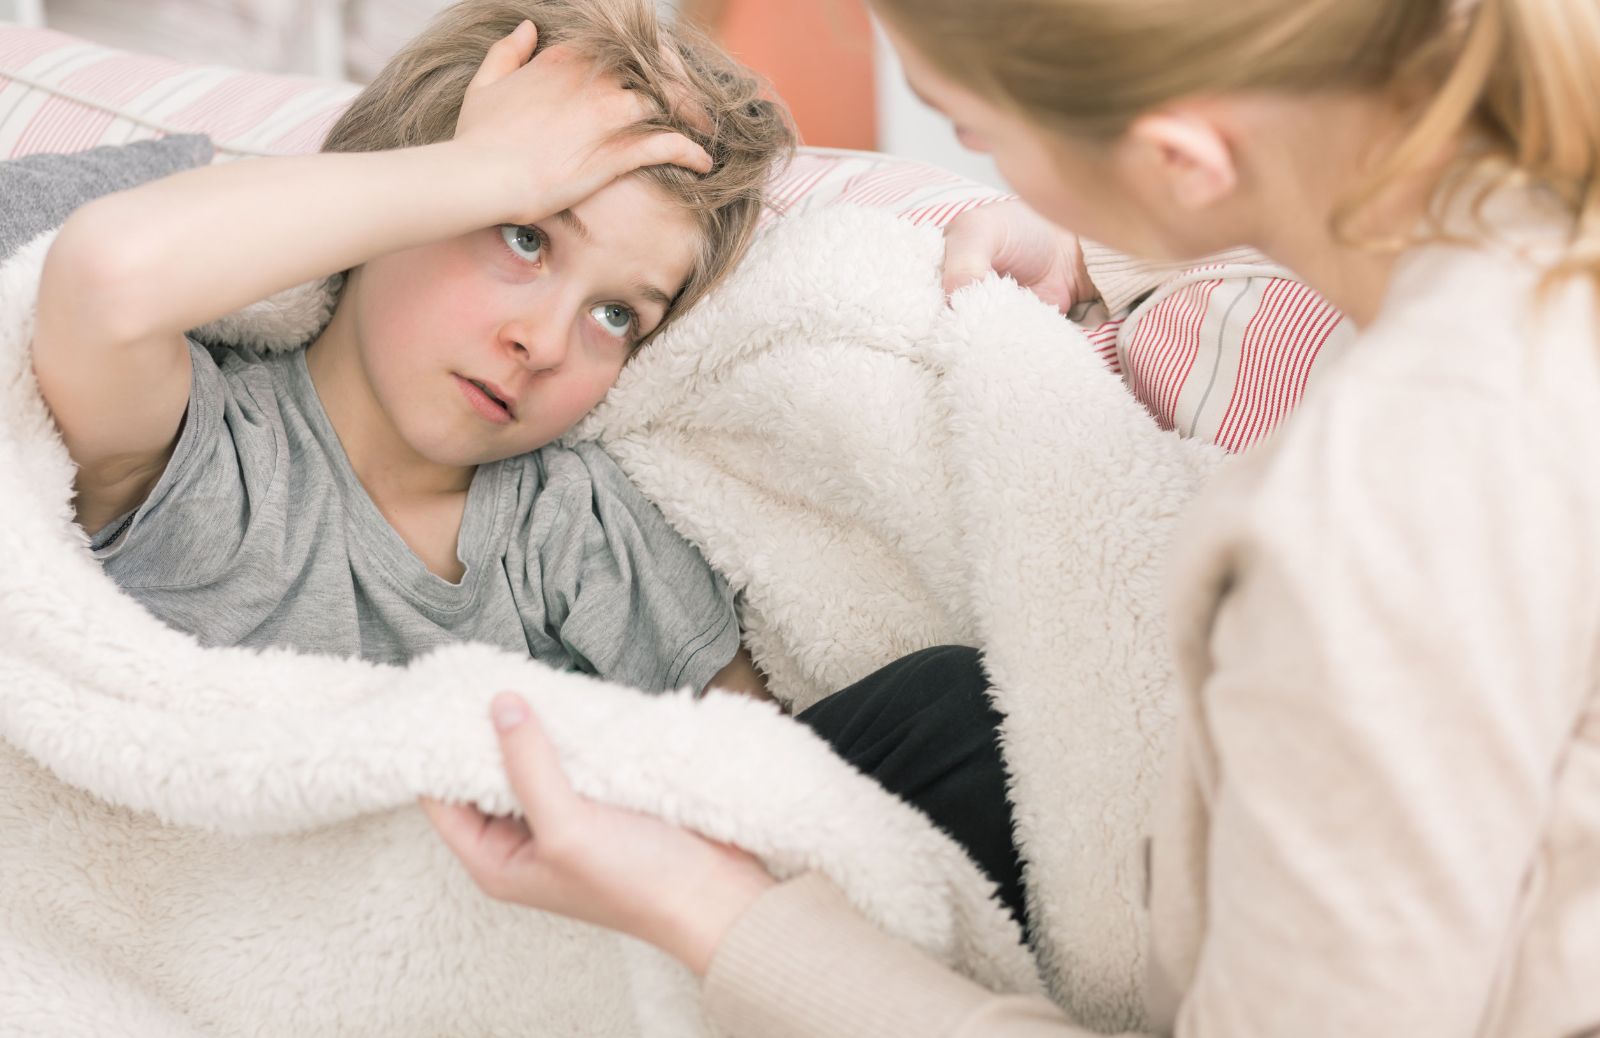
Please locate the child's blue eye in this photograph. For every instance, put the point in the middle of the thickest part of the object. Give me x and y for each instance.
(527, 242)
(615, 318)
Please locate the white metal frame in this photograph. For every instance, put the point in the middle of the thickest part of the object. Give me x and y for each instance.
(23, 12)
(327, 38)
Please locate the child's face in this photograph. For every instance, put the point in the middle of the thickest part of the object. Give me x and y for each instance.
(542, 319)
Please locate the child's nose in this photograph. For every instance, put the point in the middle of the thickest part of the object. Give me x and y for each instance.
(538, 345)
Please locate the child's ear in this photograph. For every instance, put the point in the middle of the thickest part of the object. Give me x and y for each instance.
(1187, 155)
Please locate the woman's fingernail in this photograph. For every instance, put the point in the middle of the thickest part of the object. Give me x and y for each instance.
(507, 711)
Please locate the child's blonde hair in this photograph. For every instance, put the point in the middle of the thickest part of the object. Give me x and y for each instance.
(1525, 74)
(692, 86)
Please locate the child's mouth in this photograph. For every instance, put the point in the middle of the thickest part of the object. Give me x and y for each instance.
(484, 400)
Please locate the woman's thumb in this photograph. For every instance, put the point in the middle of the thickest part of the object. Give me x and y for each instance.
(531, 762)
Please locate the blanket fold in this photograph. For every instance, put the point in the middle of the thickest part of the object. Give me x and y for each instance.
(222, 841)
(878, 472)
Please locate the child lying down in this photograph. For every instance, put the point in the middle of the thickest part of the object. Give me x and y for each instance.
(512, 229)
(511, 232)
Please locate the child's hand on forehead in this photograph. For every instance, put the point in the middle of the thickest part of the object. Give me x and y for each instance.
(555, 127)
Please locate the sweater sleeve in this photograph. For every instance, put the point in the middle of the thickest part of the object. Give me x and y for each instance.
(801, 963)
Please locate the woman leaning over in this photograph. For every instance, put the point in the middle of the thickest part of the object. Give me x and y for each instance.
(1383, 808)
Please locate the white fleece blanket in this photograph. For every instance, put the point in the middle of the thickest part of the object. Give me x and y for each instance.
(204, 841)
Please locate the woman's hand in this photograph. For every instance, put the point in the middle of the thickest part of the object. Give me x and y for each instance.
(615, 868)
(1009, 238)
(553, 127)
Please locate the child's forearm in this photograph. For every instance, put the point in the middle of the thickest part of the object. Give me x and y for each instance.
(533, 137)
(185, 250)
(128, 274)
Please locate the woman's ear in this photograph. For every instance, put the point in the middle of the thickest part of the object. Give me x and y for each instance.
(1184, 155)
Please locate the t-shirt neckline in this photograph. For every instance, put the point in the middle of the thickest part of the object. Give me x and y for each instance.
(368, 528)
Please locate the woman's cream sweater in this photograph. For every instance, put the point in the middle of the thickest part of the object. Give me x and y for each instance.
(1383, 813)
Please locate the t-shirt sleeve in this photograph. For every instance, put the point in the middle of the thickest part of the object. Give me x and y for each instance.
(189, 527)
(624, 593)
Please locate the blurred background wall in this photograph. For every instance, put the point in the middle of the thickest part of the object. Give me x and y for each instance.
(824, 57)
(839, 76)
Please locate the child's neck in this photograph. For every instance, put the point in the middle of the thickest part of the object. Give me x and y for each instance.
(389, 469)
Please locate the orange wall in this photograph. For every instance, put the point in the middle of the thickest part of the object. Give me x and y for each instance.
(818, 55)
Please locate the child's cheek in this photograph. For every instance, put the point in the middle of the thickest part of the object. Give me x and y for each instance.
(463, 298)
(424, 296)
(467, 313)
(585, 392)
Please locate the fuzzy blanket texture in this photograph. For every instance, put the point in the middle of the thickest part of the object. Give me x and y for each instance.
(220, 841)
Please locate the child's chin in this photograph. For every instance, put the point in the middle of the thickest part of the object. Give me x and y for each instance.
(466, 451)
(470, 458)
(453, 455)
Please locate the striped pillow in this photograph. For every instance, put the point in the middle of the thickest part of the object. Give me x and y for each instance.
(918, 192)
(1226, 358)
(1221, 354)
(61, 93)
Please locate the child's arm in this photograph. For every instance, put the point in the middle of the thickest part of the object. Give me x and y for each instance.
(742, 677)
(129, 273)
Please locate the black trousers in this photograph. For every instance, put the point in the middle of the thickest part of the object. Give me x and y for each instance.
(924, 728)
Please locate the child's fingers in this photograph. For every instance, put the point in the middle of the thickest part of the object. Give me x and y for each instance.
(508, 54)
(662, 149)
(969, 252)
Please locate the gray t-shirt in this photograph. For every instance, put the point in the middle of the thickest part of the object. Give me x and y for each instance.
(260, 534)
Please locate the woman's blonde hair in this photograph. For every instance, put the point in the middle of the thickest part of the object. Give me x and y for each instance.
(692, 86)
(1524, 74)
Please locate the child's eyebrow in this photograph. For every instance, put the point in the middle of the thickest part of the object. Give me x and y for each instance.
(653, 294)
(650, 293)
(569, 219)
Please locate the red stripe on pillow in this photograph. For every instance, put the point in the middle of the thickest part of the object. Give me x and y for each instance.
(1233, 432)
(239, 104)
(941, 215)
(894, 183)
(309, 135)
(120, 78)
(1298, 341)
(19, 49)
(1181, 365)
(1281, 343)
(1316, 327)
(795, 183)
(1274, 383)
(1164, 347)
(61, 125)
(1104, 341)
